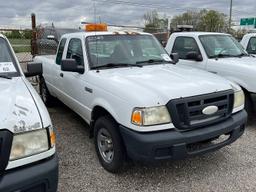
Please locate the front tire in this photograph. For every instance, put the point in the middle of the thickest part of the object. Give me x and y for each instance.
(108, 144)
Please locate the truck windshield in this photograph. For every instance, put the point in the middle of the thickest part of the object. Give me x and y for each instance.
(8, 65)
(221, 46)
(124, 51)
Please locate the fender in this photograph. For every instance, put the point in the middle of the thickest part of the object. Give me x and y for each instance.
(239, 82)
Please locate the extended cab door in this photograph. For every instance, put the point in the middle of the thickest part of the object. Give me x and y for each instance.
(55, 80)
(74, 84)
(189, 52)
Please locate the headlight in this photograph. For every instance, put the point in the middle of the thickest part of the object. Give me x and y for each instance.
(239, 99)
(29, 143)
(150, 116)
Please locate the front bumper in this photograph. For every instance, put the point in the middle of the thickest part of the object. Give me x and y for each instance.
(173, 144)
(39, 177)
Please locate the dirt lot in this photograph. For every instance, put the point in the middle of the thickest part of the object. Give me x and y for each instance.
(233, 168)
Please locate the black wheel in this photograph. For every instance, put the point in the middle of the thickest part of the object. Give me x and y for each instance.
(45, 94)
(108, 144)
(248, 102)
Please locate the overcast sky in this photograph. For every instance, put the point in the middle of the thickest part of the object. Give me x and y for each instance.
(16, 13)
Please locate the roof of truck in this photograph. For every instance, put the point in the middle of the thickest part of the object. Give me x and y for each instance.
(78, 34)
(197, 33)
(250, 35)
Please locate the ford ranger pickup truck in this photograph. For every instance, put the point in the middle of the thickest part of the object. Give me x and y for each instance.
(137, 102)
(28, 162)
(217, 53)
(249, 43)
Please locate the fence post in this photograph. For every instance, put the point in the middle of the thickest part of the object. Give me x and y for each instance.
(34, 35)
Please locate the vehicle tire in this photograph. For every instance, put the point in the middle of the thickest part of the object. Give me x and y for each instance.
(248, 102)
(45, 94)
(108, 144)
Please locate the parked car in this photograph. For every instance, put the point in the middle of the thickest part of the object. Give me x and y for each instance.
(249, 43)
(48, 39)
(217, 53)
(137, 102)
(28, 161)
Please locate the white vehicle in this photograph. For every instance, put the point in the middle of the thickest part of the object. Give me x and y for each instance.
(27, 141)
(217, 53)
(249, 43)
(139, 104)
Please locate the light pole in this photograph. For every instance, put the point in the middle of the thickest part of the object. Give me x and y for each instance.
(230, 15)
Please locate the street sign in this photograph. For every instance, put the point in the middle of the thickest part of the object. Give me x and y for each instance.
(248, 21)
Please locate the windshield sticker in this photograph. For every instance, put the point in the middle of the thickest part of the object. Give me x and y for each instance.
(7, 67)
(217, 51)
(166, 57)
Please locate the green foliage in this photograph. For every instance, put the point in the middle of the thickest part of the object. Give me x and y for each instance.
(27, 34)
(16, 34)
(153, 23)
(205, 20)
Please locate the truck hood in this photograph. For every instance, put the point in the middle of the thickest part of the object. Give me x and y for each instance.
(157, 84)
(19, 112)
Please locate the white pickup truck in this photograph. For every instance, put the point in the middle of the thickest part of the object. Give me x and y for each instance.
(217, 53)
(249, 43)
(27, 141)
(137, 102)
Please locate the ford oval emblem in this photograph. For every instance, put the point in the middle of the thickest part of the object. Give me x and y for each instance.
(210, 110)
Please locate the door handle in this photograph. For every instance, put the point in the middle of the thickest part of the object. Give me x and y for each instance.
(61, 74)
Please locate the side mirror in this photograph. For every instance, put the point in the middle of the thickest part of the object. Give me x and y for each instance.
(70, 65)
(194, 56)
(34, 69)
(175, 57)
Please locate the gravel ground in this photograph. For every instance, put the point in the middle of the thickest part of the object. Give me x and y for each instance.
(232, 168)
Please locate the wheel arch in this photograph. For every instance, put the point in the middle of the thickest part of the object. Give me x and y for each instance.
(100, 111)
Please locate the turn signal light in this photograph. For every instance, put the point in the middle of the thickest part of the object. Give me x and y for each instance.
(137, 117)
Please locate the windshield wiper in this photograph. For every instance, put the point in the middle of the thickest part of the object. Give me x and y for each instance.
(5, 77)
(113, 65)
(242, 54)
(153, 61)
(221, 56)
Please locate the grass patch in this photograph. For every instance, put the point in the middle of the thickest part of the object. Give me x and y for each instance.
(20, 45)
(20, 41)
(21, 49)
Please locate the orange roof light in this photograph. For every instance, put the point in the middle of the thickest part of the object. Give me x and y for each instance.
(96, 27)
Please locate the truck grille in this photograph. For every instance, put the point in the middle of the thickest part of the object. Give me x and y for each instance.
(187, 113)
(5, 149)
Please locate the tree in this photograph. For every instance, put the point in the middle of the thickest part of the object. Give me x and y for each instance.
(153, 23)
(214, 21)
(14, 34)
(27, 34)
(205, 20)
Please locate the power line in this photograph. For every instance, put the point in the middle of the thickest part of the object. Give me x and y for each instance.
(147, 5)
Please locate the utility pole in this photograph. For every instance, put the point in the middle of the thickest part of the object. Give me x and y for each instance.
(230, 15)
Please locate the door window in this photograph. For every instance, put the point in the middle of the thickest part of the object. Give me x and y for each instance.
(252, 46)
(185, 45)
(60, 51)
(75, 51)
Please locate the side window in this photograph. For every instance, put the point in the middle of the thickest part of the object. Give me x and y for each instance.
(251, 48)
(75, 51)
(184, 45)
(60, 51)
